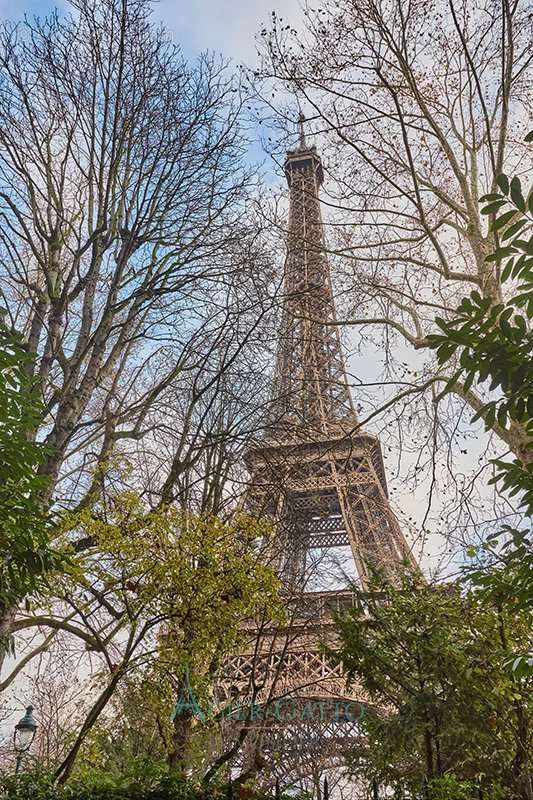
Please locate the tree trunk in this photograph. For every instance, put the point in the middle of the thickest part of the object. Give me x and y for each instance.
(62, 773)
(521, 770)
(521, 767)
(180, 740)
(7, 616)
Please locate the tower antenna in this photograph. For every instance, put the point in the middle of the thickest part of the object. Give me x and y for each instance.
(301, 120)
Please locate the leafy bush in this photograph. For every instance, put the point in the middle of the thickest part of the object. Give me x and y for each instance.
(156, 784)
(449, 787)
(492, 340)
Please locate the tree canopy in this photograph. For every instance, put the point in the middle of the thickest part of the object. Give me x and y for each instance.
(429, 658)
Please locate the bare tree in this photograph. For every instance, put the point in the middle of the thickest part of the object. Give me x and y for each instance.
(417, 109)
(128, 257)
(122, 192)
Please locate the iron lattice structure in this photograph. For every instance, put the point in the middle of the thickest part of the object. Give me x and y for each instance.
(322, 481)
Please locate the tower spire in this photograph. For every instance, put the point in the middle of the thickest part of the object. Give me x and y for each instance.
(312, 415)
(301, 130)
(310, 387)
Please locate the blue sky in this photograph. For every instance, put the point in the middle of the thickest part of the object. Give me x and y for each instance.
(228, 26)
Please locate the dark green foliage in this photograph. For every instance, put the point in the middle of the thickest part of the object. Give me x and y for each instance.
(503, 578)
(448, 787)
(494, 340)
(25, 554)
(153, 783)
(430, 660)
(41, 786)
(506, 577)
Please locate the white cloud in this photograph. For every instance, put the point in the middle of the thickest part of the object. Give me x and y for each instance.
(227, 26)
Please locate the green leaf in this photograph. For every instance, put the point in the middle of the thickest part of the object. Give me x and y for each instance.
(506, 273)
(501, 252)
(503, 182)
(493, 207)
(525, 245)
(478, 415)
(513, 229)
(469, 381)
(487, 197)
(519, 263)
(520, 323)
(445, 351)
(502, 416)
(499, 222)
(516, 193)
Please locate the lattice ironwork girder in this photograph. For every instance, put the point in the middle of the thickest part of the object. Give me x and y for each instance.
(348, 445)
(325, 540)
(322, 525)
(271, 464)
(330, 481)
(305, 742)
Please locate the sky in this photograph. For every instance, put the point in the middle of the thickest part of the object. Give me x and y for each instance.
(226, 26)
(229, 26)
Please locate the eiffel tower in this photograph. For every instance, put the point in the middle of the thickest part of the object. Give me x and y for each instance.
(321, 479)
